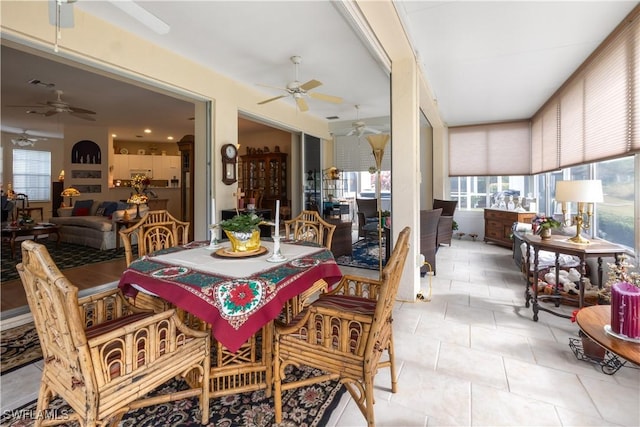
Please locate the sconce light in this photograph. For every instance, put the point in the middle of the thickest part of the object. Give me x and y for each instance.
(61, 176)
(585, 193)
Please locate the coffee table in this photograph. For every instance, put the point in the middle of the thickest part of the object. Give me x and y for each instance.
(10, 234)
(591, 321)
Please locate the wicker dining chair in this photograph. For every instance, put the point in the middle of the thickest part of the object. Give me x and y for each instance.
(344, 333)
(102, 355)
(311, 227)
(156, 230)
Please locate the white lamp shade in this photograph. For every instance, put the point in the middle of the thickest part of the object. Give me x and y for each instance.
(586, 191)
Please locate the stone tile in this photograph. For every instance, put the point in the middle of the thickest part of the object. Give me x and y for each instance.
(493, 407)
(19, 387)
(479, 367)
(549, 385)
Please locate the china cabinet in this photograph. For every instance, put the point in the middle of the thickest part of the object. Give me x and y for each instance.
(266, 173)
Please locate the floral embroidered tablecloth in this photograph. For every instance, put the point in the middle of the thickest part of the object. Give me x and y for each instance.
(237, 296)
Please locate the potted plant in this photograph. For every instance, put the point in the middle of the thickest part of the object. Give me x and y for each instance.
(543, 225)
(243, 232)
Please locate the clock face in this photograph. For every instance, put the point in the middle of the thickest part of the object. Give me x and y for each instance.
(230, 151)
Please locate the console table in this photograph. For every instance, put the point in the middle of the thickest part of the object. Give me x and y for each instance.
(560, 245)
(591, 321)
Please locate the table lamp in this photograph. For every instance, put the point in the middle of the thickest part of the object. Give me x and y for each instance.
(585, 193)
(70, 192)
(137, 199)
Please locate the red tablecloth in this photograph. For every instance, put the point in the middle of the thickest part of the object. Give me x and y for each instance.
(236, 296)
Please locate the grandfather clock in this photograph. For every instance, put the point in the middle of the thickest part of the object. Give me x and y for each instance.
(185, 145)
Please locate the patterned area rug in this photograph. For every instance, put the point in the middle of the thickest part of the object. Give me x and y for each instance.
(305, 406)
(19, 346)
(65, 255)
(365, 255)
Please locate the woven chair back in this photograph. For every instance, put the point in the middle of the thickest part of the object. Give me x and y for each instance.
(53, 303)
(310, 227)
(380, 333)
(156, 230)
(448, 206)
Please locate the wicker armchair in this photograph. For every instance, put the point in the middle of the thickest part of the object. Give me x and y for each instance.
(429, 221)
(311, 227)
(445, 225)
(344, 333)
(102, 355)
(367, 212)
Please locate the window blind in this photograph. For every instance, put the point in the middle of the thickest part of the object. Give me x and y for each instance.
(32, 174)
(354, 154)
(598, 106)
(485, 150)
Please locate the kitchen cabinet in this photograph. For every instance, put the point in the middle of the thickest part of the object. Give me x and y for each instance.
(160, 167)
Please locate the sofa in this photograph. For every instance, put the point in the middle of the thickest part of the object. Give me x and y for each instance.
(92, 222)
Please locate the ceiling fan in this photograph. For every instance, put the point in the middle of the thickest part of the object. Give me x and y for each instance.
(59, 106)
(24, 139)
(301, 90)
(360, 128)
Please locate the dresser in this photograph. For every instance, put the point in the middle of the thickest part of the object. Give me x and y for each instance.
(498, 223)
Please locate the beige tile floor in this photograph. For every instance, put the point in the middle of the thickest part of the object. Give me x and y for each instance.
(472, 355)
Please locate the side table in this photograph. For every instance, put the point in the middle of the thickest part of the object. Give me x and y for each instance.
(11, 233)
(591, 321)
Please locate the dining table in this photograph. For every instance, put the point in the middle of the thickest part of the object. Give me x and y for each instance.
(237, 294)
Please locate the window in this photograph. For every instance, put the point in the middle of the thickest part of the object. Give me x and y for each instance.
(32, 174)
(613, 220)
(614, 217)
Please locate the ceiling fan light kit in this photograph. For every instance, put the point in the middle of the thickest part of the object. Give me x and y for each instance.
(298, 91)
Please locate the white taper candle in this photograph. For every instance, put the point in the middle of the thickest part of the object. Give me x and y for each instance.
(277, 217)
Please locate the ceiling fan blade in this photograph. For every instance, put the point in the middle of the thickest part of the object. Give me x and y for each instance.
(80, 110)
(311, 84)
(144, 16)
(50, 113)
(371, 130)
(302, 104)
(82, 116)
(351, 132)
(324, 97)
(271, 99)
(270, 87)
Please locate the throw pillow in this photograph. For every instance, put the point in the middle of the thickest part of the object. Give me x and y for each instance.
(109, 208)
(81, 211)
(80, 204)
(100, 211)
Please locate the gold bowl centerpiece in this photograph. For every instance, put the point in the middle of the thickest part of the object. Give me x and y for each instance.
(243, 232)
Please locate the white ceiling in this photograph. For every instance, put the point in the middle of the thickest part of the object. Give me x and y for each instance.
(485, 61)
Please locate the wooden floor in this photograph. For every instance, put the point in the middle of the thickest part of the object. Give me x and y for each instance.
(12, 293)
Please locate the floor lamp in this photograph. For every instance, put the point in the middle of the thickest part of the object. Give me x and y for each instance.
(378, 142)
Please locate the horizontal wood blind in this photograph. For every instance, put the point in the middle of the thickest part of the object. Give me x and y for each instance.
(485, 150)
